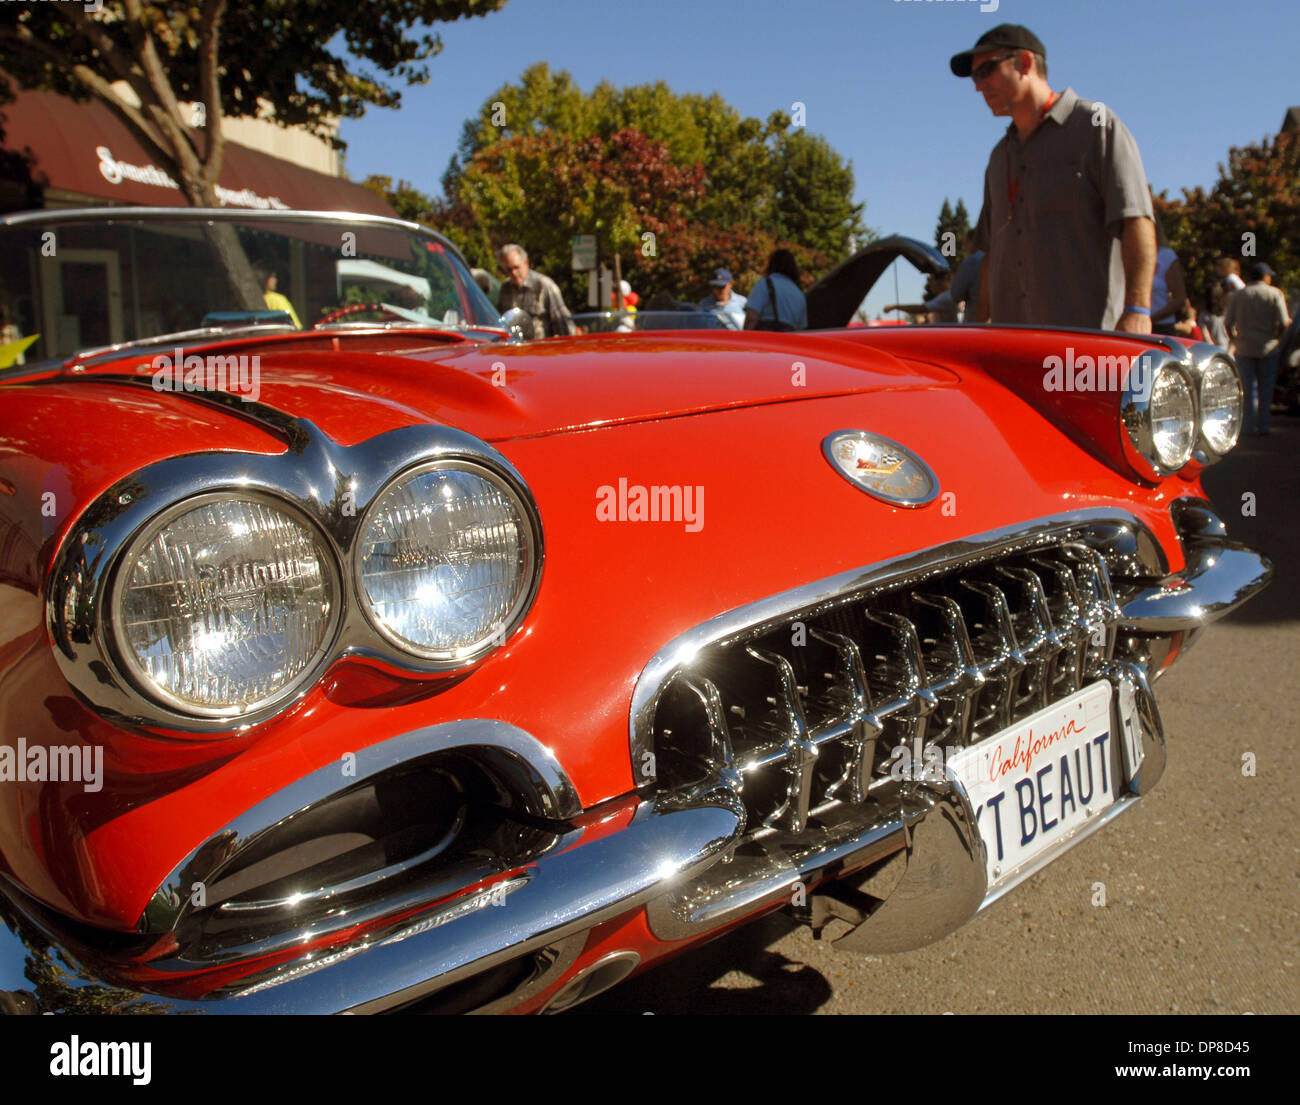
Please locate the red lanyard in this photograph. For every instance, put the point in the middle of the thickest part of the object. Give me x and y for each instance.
(1013, 184)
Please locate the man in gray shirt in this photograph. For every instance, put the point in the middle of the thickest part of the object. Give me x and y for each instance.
(1066, 225)
(537, 295)
(1256, 318)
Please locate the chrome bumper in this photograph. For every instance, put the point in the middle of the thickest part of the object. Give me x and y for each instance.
(927, 829)
(1219, 577)
(558, 898)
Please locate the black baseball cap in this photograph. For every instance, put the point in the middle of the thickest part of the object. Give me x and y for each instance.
(1259, 270)
(1010, 36)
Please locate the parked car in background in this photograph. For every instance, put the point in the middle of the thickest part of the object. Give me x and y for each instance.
(388, 664)
(623, 322)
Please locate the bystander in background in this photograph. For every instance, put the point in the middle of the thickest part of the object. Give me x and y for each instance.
(536, 295)
(777, 301)
(1256, 318)
(724, 301)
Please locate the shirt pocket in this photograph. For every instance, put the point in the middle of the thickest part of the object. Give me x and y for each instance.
(1064, 187)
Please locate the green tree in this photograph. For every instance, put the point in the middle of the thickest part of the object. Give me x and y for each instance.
(951, 230)
(813, 193)
(1252, 213)
(404, 198)
(542, 189)
(761, 184)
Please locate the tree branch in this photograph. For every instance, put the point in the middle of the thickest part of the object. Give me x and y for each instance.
(98, 87)
(146, 51)
(131, 116)
(210, 88)
(116, 58)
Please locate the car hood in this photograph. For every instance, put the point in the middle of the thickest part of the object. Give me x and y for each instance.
(834, 299)
(499, 391)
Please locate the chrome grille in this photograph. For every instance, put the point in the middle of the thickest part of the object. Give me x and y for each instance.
(804, 711)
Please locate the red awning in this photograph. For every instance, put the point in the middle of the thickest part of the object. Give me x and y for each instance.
(85, 149)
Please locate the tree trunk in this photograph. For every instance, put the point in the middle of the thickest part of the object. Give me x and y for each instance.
(224, 239)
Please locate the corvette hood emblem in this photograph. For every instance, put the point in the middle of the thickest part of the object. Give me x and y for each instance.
(881, 467)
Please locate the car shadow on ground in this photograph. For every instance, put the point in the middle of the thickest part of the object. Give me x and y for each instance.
(1256, 491)
(780, 985)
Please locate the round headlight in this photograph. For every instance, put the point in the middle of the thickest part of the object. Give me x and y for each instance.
(1173, 418)
(223, 605)
(1221, 406)
(446, 561)
(1159, 416)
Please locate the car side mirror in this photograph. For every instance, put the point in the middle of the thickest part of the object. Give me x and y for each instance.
(518, 323)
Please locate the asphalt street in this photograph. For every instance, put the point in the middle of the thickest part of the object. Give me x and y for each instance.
(1200, 880)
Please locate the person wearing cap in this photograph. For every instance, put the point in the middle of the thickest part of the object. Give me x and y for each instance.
(1255, 319)
(722, 301)
(1067, 225)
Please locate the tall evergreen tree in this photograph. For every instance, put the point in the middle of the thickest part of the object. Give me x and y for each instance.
(951, 230)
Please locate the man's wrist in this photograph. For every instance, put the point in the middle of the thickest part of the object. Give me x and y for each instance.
(1132, 310)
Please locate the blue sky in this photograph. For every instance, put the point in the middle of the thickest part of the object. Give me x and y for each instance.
(1190, 79)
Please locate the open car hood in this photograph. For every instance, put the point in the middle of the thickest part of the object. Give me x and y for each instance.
(834, 298)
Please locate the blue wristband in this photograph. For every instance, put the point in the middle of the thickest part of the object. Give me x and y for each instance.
(1137, 311)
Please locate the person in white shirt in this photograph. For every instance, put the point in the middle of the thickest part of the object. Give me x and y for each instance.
(723, 301)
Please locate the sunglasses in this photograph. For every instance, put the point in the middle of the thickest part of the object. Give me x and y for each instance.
(986, 68)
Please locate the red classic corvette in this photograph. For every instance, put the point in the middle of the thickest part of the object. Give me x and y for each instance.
(390, 664)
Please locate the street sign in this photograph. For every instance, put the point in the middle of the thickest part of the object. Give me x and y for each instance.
(584, 252)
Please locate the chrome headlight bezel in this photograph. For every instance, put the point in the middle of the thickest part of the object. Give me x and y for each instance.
(1137, 430)
(451, 659)
(315, 480)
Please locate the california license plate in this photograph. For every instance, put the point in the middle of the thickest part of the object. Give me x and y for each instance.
(1035, 785)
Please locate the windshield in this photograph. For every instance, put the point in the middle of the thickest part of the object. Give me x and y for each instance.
(72, 284)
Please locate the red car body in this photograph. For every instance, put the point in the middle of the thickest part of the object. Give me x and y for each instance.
(740, 418)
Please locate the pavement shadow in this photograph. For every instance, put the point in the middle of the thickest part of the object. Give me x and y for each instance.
(1256, 491)
(784, 986)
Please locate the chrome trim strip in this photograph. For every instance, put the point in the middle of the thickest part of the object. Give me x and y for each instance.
(107, 215)
(332, 485)
(1219, 577)
(551, 786)
(810, 597)
(561, 894)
